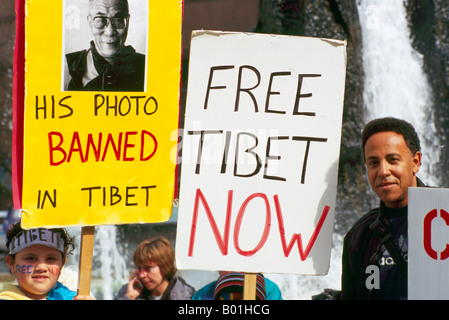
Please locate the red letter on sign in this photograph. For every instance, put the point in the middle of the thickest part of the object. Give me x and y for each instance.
(221, 241)
(57, 148)
(238, 223)
(428, 234)
(297, 237)
(142, 144)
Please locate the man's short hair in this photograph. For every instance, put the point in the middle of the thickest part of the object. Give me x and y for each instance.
(390, 124)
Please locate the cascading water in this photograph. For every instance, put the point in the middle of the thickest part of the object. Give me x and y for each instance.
(395, 82)
(113, 270)
(109, 270)
(395, 85)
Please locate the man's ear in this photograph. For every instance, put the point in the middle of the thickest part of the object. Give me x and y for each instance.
(416, 159)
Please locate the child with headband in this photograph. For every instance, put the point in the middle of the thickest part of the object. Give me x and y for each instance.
(36, 257)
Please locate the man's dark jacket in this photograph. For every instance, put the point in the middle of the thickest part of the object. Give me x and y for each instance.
(360, 249)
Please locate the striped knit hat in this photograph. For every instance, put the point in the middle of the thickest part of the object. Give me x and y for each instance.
(231, 283)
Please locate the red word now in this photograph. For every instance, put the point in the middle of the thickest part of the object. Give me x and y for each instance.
(125, 146)
(223, 240)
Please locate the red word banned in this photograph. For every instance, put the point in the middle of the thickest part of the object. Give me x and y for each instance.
(125, 146)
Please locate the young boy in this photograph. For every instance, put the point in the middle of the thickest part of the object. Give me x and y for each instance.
(36, 257)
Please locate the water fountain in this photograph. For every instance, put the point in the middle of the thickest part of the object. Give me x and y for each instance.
(110, 269)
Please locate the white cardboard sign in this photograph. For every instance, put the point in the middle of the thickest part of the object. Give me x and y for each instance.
(260, 152)
(428, 238)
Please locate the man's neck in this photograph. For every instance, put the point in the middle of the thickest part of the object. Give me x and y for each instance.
(393, 212)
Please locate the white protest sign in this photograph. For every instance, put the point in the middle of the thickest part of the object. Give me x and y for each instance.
(260, 152)
(428, 238)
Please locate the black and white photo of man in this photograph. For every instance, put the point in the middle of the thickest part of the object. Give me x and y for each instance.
(109, 64)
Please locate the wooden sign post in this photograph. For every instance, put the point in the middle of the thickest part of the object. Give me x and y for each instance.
(85, 262)
(249, 287)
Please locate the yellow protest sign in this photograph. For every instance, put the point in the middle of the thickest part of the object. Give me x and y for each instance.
(101, 111)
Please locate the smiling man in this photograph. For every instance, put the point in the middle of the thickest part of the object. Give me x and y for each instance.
(374, 262)
(108, 65)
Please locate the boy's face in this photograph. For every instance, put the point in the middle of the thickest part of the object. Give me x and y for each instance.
(37, 269)
(391, 167)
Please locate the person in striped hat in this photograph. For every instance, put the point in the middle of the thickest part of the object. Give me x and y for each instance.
(229, 286)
